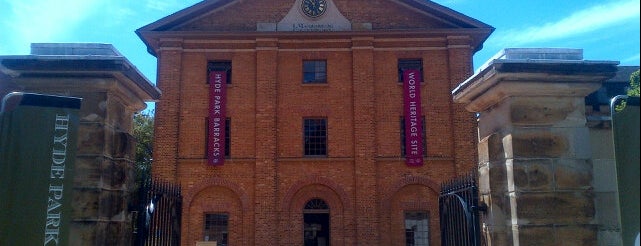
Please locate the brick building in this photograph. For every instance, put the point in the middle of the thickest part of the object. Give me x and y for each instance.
(313, 118)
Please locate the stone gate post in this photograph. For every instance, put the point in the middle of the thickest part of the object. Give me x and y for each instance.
(112, 90)
(535, 169)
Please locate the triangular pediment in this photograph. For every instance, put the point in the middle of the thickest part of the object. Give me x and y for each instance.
(265, 15)
(271, 18)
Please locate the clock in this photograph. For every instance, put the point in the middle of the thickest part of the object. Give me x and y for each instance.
(313, 8)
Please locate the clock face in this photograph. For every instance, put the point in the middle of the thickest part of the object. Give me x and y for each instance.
(314, 8)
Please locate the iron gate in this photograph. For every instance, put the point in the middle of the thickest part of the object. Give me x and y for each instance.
(158, 214)
(459, 212)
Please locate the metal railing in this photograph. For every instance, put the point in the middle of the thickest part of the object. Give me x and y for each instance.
(158, 214)
(459, 212)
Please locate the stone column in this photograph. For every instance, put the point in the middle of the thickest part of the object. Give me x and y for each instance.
(535, 168)
(112, 90)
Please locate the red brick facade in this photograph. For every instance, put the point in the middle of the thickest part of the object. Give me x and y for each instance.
(266, 182)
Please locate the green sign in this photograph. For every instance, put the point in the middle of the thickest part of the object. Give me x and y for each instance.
(625, 127)
(37, 153)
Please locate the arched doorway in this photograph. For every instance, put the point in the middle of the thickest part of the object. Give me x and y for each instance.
(316, 223)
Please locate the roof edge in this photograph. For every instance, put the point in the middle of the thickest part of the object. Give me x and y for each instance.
(453, 14)
(437, 10)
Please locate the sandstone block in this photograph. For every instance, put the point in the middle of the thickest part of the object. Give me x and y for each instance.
(572, 174)
(539, 144)
(88, 171)
(533, 174)
(576, 235)
(83, 232)
(91, 139)
(111, 203)
(536, 235)
(116, 174)
(498, 235)
(85, 204)
(564, 142)
(93, 107)
(498, 179)
(123, 145)
(547, 111)
(491, 149)
(560, 208)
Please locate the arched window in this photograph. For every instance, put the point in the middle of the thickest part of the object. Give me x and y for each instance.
(316, 223)
(316, 204)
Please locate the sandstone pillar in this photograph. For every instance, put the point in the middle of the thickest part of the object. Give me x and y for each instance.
(112, 90)
(535, 168)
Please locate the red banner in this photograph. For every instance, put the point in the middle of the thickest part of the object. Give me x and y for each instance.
(217, 118)
(413, 117)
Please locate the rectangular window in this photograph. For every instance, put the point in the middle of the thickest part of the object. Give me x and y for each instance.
(403, 136)
(404, 64)
(219, 66)
(417, 228)
(315, 71)
(227, 136)
(315, 136)
(216, 228)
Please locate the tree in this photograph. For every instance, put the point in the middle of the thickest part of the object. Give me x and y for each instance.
(632, 91)
(144, 134)
(634, 84)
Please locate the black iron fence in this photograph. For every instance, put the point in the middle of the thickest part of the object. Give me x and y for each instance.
(158, 214)
(459, 212)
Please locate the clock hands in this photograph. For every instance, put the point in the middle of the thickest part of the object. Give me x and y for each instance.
(314, 8)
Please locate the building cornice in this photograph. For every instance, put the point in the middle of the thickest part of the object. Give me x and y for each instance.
(157, 39)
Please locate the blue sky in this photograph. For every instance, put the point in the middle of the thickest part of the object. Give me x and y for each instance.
(604, 29)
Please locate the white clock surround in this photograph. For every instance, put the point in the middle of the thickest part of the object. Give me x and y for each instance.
(297, 21)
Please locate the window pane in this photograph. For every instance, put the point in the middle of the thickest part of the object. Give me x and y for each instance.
(228, 137)
(219, 66)
(403, 136)
(404, 64)
(216, 228)
(315, 71)
(316, 204)
(315, 136)
(416, 229)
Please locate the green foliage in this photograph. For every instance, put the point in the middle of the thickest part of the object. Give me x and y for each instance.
(634, 84)
(144, 134)
(633, 90)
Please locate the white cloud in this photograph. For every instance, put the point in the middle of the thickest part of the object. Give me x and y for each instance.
(631, 60)
(117, 14)
(161, 5)
(588, 20)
